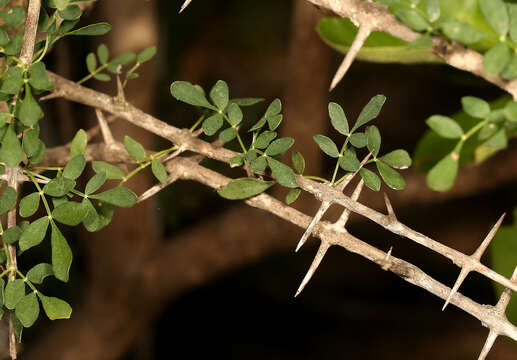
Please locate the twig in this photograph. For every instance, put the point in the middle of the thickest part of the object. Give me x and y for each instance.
(31, 28)
(105, 130)
(378, 17)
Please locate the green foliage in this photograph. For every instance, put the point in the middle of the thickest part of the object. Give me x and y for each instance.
(243, 188)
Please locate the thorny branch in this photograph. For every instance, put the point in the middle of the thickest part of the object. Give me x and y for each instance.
(330, 234)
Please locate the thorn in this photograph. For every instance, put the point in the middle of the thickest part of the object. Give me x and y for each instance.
(343, 219)
(461, 277)
(105, 130)
(324, 246)
(52, 95)
(120, 90)
(492, 336)
(184, 6)
(484, 245)
(321, 211)
(504, 300)
(387, 265)
(391, 213)
(349, 178)
(360, 38)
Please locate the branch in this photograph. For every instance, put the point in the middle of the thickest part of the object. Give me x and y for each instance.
(31, 28)
(378, 18)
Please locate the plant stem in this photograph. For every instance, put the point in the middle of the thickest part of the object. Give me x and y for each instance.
(89, 76)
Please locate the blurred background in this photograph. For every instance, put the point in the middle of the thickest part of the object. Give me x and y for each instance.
(190, 275)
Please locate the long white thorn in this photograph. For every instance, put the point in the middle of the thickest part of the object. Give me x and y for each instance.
(324, 246)
(492, 336)
(461, 277)
(360, 38)
(185, 4)
(321, 211)
(484, 245)
(343, 219)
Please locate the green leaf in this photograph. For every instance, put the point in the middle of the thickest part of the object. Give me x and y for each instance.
(228, 135)
(398, 159)
(358, 140)
(14, 46)
(59, 186)
(258, 125)
(498, 141)
(95, 183)
(274, 108)
(390, 176)
(433, 9)
(236, 161)
(220, 94)
(274, 121)
(99, 215)
(134, 148)
(71, 12)
(279, 146)
(79, 143)
(102, 77)
(75, 167)
(413, 19)
(39, 78)
(463, 32)
(188, 93)
(475, 107)
(11, 150)
(213, 124)
(327, 145)
(370, 111)
(70, 213)
(370, 179)
(13, 80)
(38, 273)
(14, 16)
(29, 204)
(91, 62)
(103, 53)
(146, 54)
(348, 161)
(283, 174)
(12, 234)
(14, 292)
(4, 38)
(442, 175)
(258, 165)
(7, 199)
(496, 14)
(234, 114)
(373, 140)
(510, 111)
(298, 162)
(159, 171)
(487, 131)
(61, 4)
(242, 102)
(92, 30)
(112, 172)
(119, 196)
(29, 112)
(338, 118)
(55, 308)
(264, 139)
(510, 72)
(424, 42)
(496, 59)
(445, 127)
(292, 195)
(243, 188)
(61, 254)
(34, 234)
(27, 310)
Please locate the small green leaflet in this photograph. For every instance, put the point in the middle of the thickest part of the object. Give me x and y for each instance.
(292, 195)
(118, 196)
(14, 292)
(412, 18)
(134, 148)
(390, 176)
(283, 174)
(338, 118)
(188, 93)
(79, 143)
(496, 59)
(27, 310)
(244, 188)
(7, 199)
(92, 30)
(326, 145)
(39, 272)
(279, 146)
(75, 167)
(298, 162)
(59, 186)
(370, 111)
(112, 172)
(370, 179)
(442, 175)
(11, 149)
(70, 213)
(475, 107)
(95, 183)
(220, 95)
(55, 308)
(159, 171)
(496, 14)
(373, 140)
(445, 127)
(61, 254)
(34, 234)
